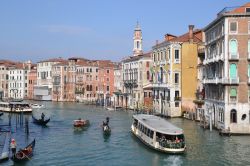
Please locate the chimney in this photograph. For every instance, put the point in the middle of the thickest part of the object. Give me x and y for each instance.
(191, 31)
(169, 37)
(156, 42)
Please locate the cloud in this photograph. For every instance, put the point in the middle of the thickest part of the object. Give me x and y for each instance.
(67, 29)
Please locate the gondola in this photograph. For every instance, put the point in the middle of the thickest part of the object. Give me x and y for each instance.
(1, 113)
(40, 121)
(106, 130)
(24, 154)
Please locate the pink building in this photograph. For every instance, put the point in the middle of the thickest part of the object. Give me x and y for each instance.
(32, 81)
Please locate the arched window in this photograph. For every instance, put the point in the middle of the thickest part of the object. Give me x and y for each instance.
(248, 47)
(248, 70)
(233, 47)
(233, 116)
(137, 44)
(233, 70)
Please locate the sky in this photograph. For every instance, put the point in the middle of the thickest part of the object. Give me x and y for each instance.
(95, 29)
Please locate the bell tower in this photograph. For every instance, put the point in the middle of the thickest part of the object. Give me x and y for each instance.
(137, 40)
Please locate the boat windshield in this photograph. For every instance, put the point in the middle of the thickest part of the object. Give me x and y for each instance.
(171, 141)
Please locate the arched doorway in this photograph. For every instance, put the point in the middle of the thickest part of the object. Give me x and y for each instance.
(233, 116)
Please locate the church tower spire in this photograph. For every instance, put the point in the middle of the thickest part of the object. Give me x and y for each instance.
(137, 40)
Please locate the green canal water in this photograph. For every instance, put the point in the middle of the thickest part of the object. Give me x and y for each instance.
(60, 145)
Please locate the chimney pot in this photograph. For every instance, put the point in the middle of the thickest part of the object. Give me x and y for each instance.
(191, 31)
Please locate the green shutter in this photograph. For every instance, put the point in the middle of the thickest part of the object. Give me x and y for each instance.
(233, 71)
(233, 92)
(248, 46)
(233, 47)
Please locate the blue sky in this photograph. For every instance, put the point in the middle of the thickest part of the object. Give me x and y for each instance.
(95, 29)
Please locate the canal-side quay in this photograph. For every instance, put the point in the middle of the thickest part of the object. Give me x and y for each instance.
(60, 144)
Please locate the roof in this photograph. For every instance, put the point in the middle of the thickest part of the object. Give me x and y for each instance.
(135, 58)
(230, 11)
(52, 60)
(158, 124)
(197, 37)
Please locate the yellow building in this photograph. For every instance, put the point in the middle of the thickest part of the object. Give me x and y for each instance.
(175, 73)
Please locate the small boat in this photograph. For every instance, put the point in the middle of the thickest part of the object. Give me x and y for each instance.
(24, 154)
(36, 105)
(106, 130)
(105, 127)
(40, 121)
(158, 133)
(81, 123)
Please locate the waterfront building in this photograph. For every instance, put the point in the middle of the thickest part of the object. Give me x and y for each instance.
(18, 80)
(227, 69)
(135, 74)
(105, 86)
(63, 76)
(4, 77)
(86, 80)
(32, 81)
(174, 73)
(43, 89)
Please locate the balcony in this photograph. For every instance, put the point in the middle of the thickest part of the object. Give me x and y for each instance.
(177, 98)
(226, 80)
(233, 56)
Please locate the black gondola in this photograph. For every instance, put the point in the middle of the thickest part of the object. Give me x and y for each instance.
(106, 130)
(40, 121)
(24, 154)
(1, 113)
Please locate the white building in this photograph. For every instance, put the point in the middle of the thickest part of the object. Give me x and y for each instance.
(43, 89)
(227, 66)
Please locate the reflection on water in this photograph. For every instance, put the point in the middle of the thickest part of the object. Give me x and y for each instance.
(61, 144)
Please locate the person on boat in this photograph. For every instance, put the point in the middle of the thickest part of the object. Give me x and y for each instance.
(42, 116)
(13, 146)
(107, 120)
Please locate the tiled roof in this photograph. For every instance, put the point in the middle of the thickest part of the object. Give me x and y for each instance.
(241, 9)
(52, 60)
(197, 37)
(135, 58)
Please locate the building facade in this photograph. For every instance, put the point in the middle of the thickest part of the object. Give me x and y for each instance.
(32, 81)
(227, 70)
(43, 89)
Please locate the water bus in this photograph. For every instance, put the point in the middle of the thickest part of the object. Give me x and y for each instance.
(158, 133)
(15, 107)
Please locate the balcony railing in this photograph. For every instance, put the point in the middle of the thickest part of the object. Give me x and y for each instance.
(233, 56)
(177, 98)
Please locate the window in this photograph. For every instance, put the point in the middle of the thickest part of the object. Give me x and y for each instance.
(96, 70)
(154, 57)
(148, 75)
(107, 88)
(248, 48)
(247, 10)
(107, 71)
(149, 94)
(233, 116)
(233, 71)
(147, 64)
(249, 27)
(145, 94)
(233, 95)
(176, 78)
(137, 44)
(248, 70)
(176, 56)
(233, 48)
(233, 27)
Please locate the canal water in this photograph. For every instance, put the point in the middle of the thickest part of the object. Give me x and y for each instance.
(60, 145)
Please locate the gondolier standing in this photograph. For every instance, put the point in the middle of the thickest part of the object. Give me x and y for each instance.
(13, 146)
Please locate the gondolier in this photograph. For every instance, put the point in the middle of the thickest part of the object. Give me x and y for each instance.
(13, 146)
